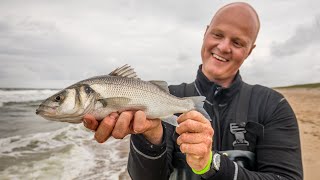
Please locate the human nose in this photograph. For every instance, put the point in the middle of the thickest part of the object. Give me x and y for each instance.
(224, 46)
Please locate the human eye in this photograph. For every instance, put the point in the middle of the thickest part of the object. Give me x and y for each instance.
(238, 44)
(217, 35)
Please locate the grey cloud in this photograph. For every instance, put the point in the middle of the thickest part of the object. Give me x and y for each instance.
(52, 43)
(183, 57)
(3, 27)
(28, 37)
(295, 69)
(304, 37)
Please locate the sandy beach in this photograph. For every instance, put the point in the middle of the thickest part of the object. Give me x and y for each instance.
(306, 104)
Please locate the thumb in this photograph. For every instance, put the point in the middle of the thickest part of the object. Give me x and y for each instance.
(90, 122)
(140, 122)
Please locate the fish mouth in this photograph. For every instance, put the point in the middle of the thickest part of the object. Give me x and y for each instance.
(53, 117)
(44, 110)
(50, 113)
(38, 111)
(43, 113)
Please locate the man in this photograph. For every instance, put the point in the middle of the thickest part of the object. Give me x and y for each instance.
(196, 146)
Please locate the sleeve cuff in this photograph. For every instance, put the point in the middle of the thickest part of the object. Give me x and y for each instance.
(228, 169)
(140, 144)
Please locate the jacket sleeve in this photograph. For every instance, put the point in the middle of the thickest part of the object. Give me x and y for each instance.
(278, 154)
(148, 161)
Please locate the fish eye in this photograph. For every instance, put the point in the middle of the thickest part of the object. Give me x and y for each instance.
(88, 90)
(57, 98)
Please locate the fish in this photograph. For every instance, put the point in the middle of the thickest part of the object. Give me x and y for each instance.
(121, 90)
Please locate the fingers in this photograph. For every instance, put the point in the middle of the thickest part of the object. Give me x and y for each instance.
(197, 155)
(90, 122)
(127, 122)
(151, 129)
(194, 122)
(142, 124)
(194, 134)
(194, 138)
(106, 127)
(195, 115)
(122, 127)
(191, 126)
(195, 149)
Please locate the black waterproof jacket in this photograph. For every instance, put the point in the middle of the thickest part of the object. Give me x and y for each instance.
(278, 151)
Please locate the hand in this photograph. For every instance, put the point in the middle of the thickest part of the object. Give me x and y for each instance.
(195, 140)
(120, 125)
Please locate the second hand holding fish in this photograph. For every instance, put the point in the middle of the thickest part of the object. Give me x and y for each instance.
(196, 138)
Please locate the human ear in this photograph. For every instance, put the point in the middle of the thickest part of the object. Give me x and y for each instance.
(205, 31)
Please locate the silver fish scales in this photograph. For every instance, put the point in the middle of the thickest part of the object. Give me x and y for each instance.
(119, 91)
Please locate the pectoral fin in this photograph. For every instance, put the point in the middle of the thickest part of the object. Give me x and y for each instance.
(121, 104)
(115, 102)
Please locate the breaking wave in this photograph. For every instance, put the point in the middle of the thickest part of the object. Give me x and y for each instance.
(34, 148)
(23, 96)
(67, 153)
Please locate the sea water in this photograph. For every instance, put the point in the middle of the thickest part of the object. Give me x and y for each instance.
(34, 148)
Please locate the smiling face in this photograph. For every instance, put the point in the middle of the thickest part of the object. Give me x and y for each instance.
(228, 41)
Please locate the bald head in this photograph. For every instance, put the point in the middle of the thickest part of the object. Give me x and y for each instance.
(241, 12)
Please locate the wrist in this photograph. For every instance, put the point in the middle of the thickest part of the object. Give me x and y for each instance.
(206, 168)
(154, 135)
(214, 167)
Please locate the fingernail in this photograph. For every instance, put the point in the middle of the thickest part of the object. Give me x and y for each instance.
(137, 130)
(113, 115)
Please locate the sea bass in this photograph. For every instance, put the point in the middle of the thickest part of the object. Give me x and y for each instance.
(119, 91)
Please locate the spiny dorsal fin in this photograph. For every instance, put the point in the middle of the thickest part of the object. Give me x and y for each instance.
(161, 84)
(124, 71)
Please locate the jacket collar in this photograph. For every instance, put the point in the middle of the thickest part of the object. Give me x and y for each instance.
(214, 92)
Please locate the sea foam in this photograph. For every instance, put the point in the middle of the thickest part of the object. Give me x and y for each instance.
(67, 153)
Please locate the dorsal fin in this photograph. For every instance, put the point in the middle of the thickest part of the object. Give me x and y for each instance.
(124, 71)
(161, 84)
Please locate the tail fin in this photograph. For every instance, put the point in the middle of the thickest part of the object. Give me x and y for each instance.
(198, 105)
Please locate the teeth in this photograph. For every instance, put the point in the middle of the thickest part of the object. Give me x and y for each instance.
(220, 58)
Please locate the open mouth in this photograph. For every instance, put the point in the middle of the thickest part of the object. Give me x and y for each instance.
(219, 58)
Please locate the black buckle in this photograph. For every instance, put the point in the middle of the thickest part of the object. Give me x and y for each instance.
(239, 130)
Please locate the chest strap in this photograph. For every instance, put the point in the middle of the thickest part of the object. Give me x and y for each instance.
(241, 118)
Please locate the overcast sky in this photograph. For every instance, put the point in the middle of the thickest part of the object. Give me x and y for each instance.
(51, 44)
